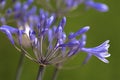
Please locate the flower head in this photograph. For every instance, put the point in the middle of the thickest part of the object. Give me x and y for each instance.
(40, 31)
(57, 47)
(49, 43)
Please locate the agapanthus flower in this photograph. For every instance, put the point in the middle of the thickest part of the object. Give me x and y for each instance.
(50, 44)
(19, 11)
(30, 28)
(22, 11)
(96, 5)
(101, 52)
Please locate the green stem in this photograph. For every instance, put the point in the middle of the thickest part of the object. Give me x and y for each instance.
(55, 73)
(40, 72)
(20, 65)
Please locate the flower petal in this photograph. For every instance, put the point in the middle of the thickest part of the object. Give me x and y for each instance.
(98, 6)
(8, 30)
(79, 32)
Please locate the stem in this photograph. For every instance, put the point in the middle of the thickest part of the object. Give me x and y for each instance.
(20, 65)
(40, 72)
(55, 73)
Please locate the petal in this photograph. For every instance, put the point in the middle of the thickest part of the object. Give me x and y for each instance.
(99, 49)
(9, 35)
(72, 43)
(59, 32)
(98, 6)
(9, 28)
(50, 35)
(82, 41)
(104, 54)
(50, 21)
(79, 32)
(104, 60)
(64, 36)
(73, 51)
(63, 22)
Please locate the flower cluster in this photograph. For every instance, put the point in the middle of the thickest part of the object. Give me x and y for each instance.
(20, 11)
(48, 41)
(64, 7)
(55, 50)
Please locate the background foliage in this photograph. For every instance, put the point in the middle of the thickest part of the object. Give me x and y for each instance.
(103, 26)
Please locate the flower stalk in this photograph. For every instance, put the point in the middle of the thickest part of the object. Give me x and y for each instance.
(20, 66)
(55, 73)
(40, 72)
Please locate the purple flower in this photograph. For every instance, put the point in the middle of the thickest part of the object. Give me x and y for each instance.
(79, 32)
(101, 52)
(39, 32)
(98, 6)
(73, 4)
(8, 30)
(58, 44)
(49, 42)
(75, 46)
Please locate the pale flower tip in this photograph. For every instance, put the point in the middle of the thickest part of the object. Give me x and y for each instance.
(64, 18)
(107, 41)
(87, 27)
(105, 61)
(100, 7)
(104, 8)
(105, 54)
(52, 17)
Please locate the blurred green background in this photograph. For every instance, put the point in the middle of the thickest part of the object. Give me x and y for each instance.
(104, 26)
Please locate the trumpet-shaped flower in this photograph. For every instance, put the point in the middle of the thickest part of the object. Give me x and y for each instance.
(101, 52)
